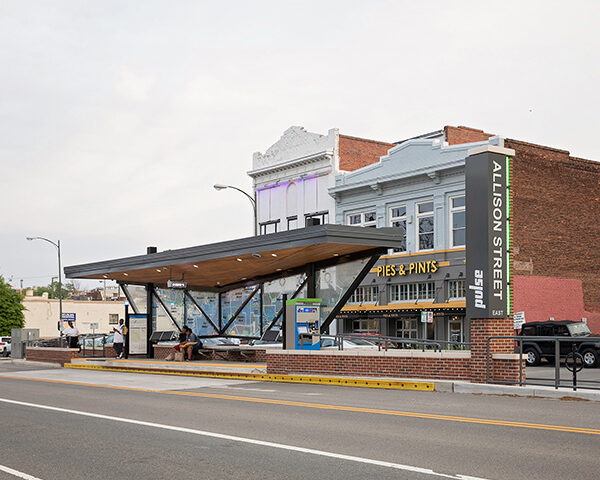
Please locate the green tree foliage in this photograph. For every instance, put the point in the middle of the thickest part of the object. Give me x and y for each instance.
(52, 290)
(11, 308)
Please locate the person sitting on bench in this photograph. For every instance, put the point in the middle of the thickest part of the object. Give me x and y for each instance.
(191, 343)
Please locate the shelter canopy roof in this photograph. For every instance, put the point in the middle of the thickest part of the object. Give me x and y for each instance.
(246, 260)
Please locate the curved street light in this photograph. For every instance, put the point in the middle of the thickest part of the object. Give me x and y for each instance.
(219, 186)
(57, 245)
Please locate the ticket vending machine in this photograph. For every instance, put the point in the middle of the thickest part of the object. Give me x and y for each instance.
(302, 324)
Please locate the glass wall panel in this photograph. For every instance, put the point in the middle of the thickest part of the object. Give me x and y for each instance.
(173, 301)
(333, 282)
(208, 301)
(247, 322)
(139, 297)
(272, 292)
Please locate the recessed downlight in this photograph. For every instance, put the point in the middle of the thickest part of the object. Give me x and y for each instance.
(158, 270)
(239, 259)
(256, 255)
(196, 266)
(273, 254)
(126, 274)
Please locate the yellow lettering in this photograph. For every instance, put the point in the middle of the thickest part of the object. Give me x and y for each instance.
(411, 267)
(401, 270)
(379, 270)
(421, 268)
(393, 274)
(434, 267)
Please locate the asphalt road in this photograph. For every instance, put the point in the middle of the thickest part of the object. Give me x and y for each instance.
(59, 424)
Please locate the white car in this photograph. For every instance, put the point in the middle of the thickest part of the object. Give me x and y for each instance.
(328, 342)
(5, 346)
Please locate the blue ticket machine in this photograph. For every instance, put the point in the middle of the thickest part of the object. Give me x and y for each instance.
(303, 319)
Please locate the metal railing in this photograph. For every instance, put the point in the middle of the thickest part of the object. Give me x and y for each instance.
(90, 344)
(556, 382)
(388, 342)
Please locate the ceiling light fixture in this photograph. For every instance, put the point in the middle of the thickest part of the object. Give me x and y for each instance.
(196, 266)
(239, 259)
(158, 270)
(126, 274)
(256, 255)
(273, 254)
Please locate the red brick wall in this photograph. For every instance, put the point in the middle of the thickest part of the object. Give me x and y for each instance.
(359, 152)
(481, 330)
(161, 352)
(504, 370)
(375, 366)
(51, 355)
(456, 135)
(556, 219)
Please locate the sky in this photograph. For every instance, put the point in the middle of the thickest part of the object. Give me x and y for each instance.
(117, 117)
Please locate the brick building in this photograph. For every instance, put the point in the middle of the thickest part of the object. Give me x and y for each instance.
(555, 233)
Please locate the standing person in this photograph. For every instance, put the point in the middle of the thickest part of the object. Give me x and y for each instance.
(72, 335)
(119, 331)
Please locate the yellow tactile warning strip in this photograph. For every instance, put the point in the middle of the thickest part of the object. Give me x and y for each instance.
(236, 365)
(263, 377)
(341, 408)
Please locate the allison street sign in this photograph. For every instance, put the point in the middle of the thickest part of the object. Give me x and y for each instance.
(487, 171)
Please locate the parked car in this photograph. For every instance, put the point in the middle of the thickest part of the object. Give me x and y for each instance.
(329, 342)
(5, 346)
(536, 350)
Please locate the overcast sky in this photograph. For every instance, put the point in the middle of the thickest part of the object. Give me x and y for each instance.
(117, 117)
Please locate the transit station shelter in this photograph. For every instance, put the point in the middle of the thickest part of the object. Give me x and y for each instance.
(236, 288)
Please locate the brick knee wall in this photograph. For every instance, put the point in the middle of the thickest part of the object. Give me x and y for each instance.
(374, 366)
(51, 355)
(481, 330)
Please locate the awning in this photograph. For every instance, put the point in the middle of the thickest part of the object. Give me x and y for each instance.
(248, 260)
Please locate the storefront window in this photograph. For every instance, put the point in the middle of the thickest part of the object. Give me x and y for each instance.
(366, 219)
(398, 220)
(458, 221)
(365, 326)
(456, 289)
(406, 292)
(365, 295)
(455, 329)
(425, 225)
(407, 328)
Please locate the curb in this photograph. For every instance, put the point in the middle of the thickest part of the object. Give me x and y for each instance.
(263, 377)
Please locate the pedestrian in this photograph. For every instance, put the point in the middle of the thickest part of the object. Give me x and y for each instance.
(119, 331)
(72, 335)
(190, 345)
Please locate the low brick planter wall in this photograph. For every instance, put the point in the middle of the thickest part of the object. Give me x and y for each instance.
(444, 365)
(504, 367)
(51, 354)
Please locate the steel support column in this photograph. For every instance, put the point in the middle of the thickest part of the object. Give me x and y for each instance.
(149, 318)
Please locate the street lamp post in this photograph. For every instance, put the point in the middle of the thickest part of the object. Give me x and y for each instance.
(219, 186)
(57, 245)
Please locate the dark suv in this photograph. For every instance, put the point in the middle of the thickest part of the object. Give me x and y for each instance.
(536, 350)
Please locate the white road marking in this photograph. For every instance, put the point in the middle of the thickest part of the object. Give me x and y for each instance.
(281, 446)
(16, 473)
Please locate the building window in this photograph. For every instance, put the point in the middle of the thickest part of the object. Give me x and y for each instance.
(425, 225)
(113, 318)
(269, 227)
(365, 295)
(457, 289)
(318, 218)
(365, 326)
(366, 219)
(457, 221)
(406, 292)
(292, 222)
(407, 328)
(398, 220)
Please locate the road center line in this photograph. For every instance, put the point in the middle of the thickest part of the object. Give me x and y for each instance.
(323, 406)
(251, 441)
(16, 473)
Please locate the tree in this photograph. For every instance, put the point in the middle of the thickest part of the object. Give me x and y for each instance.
(11, 308)
(52, 290)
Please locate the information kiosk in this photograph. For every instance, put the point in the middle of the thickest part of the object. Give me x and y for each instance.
(302, 324)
